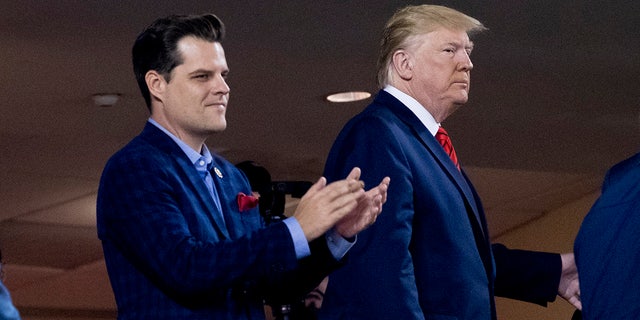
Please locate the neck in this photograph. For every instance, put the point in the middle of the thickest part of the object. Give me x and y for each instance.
(196, 143)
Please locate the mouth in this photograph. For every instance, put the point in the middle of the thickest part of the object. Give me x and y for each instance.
(464, 84)
(219, 105)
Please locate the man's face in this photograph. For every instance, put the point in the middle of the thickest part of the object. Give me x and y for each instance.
(441, 70)
(195, 99)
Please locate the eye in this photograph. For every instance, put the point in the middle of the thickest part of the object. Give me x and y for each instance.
(203, 76)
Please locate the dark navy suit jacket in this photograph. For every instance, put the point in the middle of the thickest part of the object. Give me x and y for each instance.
(168, 252)
(607, 248)
(428, 255)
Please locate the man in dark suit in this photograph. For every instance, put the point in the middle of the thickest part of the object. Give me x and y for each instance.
(429, 255)
(181, 236)
(608, 247)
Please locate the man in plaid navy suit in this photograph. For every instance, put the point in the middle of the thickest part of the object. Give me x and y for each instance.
(181, 238)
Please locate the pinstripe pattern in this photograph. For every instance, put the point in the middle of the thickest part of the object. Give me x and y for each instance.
(168, 252)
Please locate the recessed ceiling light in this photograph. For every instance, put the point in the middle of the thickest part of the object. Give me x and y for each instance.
(105, 99)
(348, 96)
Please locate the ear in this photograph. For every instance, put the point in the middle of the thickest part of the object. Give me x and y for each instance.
(403, 64)
(156, 84)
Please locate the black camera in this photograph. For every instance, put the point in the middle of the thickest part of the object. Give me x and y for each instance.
(272, 193)
(271, 203)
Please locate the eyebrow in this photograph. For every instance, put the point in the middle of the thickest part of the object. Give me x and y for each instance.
(457, 44)
(200, 71)
(471, 45)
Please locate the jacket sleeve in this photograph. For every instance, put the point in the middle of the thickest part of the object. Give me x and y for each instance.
(527, 275)
(154, 218)
(151, 212)
(291, 287)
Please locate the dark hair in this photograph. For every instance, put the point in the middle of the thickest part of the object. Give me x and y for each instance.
(156, 47)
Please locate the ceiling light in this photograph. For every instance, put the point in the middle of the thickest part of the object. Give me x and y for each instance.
(348, 96)
(105, 99)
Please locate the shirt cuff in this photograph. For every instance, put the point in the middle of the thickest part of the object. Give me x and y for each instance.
(299, 239)
(338, 245)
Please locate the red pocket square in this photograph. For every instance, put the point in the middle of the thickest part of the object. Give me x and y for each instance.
(246, 202)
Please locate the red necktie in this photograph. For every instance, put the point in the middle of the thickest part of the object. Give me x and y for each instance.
(443, 137)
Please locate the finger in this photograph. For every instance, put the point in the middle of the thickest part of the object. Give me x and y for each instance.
(313, 191)
(356, 185)
(577, 303)
(384, 187)
(347, 199)
(342, 187)
(342, 207)
(381, 189)
(338, 198)
(354, 174)
(385, 183)
(378, 205)
(378, 202)
(320, 184)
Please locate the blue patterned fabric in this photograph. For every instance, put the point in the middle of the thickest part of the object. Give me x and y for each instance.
(170, 255)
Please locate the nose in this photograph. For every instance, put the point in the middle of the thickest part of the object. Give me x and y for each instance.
(465, 63)
(220, 86)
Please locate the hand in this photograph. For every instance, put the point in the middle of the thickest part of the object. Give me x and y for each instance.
(324, 205)
(569, 287)
(365, 214)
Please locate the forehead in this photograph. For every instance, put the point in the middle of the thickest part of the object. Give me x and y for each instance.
(443, 36)
(198, 53)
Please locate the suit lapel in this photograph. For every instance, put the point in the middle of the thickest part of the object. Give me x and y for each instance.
(226, 189)
(163, 142)
(204, 195)
(435, 149)
(454, 174)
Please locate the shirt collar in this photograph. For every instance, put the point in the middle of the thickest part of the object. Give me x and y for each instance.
(194, 156)
(421, 112)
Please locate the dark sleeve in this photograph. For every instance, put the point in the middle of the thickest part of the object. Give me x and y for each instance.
(527, 275)
(577, 315)
(293, 286)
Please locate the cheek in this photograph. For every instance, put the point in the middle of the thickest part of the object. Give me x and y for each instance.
(430, 83)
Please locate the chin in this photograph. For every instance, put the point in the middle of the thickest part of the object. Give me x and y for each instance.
(221, 125)
(218, 128)
(462, 100)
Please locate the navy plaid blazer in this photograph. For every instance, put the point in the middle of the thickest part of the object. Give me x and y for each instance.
(168, 253)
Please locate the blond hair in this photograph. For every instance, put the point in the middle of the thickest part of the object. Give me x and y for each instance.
(416, 20)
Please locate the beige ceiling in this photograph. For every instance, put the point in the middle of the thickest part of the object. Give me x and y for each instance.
(554, 103)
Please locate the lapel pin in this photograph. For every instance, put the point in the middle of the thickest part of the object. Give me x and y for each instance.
(218, 173)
